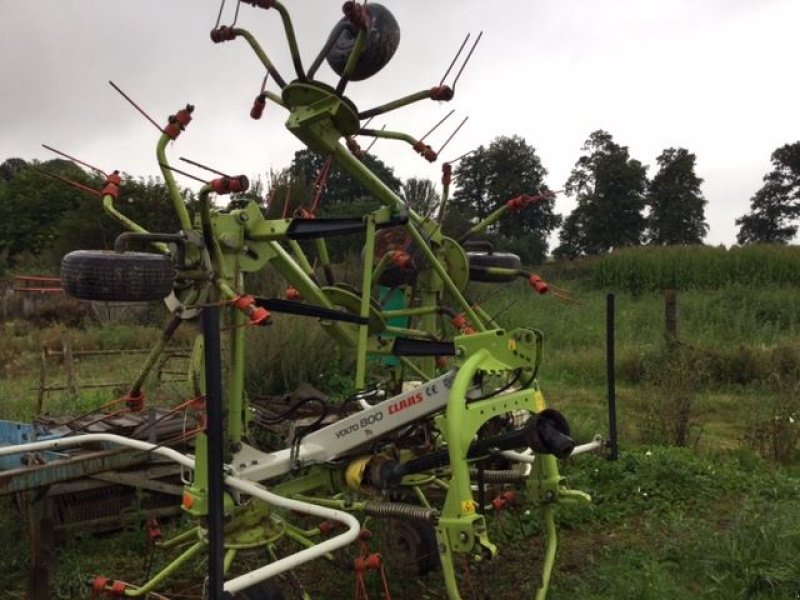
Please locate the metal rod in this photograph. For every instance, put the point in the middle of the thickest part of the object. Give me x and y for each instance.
(465, 155)
(75, 160)
(372, 143)
(432, 129)
(466, 60)
(219, 14)
(75, 184)
(204, 167)
(455, 58)
(611, 375)
(262, 56)
(452, 135)
(184, 173)
(235, 14)
(332, 39)
(292, 40)
(214, 431)
(352, 60)
(136, 106)
(395, 104)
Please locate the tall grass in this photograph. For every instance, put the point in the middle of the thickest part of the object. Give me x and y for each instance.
(698, 267)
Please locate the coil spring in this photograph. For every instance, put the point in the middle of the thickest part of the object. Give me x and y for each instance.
(400, 510)
(499, 476)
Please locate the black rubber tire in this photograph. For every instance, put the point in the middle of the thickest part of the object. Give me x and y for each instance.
(266, 590)
(481, 260)
(423, 555)
(382, 42)
(114, 277)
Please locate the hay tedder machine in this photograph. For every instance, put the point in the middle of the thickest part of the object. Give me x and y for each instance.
(449, 424)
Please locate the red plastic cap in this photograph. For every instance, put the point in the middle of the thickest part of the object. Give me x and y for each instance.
(265, 4)
(258, 107)
(99, 584)
(326, 527)
(304, 213)
(230, 185)
(260, 316)
(135, 402)
(459, 321)
(447, 173)
(357, 14)
(402, 259)
(184, 116)
(538, 284)
(442, 92)
(243, 302)
(222, 34)
(371, 562)
(239, 184)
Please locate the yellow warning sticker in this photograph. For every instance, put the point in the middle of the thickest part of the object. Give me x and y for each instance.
(512, 344)
(468, 506)
(538, 400)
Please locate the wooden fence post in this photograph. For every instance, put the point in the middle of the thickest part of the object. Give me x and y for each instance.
(69, 367)
(41, 533)
(42, 382)
(671, 316)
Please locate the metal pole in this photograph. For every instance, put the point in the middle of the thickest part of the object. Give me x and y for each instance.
(214, 431)
(611, 376)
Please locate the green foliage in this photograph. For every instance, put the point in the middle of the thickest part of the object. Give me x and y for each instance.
(733, 548)
(421, 196)
(669, 398)
(691, 267)
(656, 479)
(775, 206)
(759, 559)
(295, 350)
(675, 200)
(43, 218)
(489, 177)
(342, 188)
(609, 186)
(14, 541)
(32, 205)
(291, 352)
(774, 424)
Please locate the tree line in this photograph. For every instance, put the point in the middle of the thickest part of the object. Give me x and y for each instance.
(41, 218)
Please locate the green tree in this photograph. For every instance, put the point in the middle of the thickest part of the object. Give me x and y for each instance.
(489, 177)
(342, 187)
(32, 204)
(777, 203)
(46, 218)
(572, 236)
(421, 196)
(609, 186)
(677, 214)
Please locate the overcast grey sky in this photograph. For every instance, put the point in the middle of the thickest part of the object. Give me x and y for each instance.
(715, 76)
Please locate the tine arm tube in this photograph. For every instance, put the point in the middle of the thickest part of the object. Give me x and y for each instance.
(248, 487)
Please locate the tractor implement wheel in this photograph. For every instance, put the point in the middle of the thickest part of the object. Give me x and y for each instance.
(383, 38)
(411, 547)
(117, 277)
(481, 262)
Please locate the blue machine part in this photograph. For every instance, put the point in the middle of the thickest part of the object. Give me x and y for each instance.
(392, 299)
(13, 433)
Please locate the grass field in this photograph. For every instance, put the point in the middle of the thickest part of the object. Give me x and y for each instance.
(704, 502)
